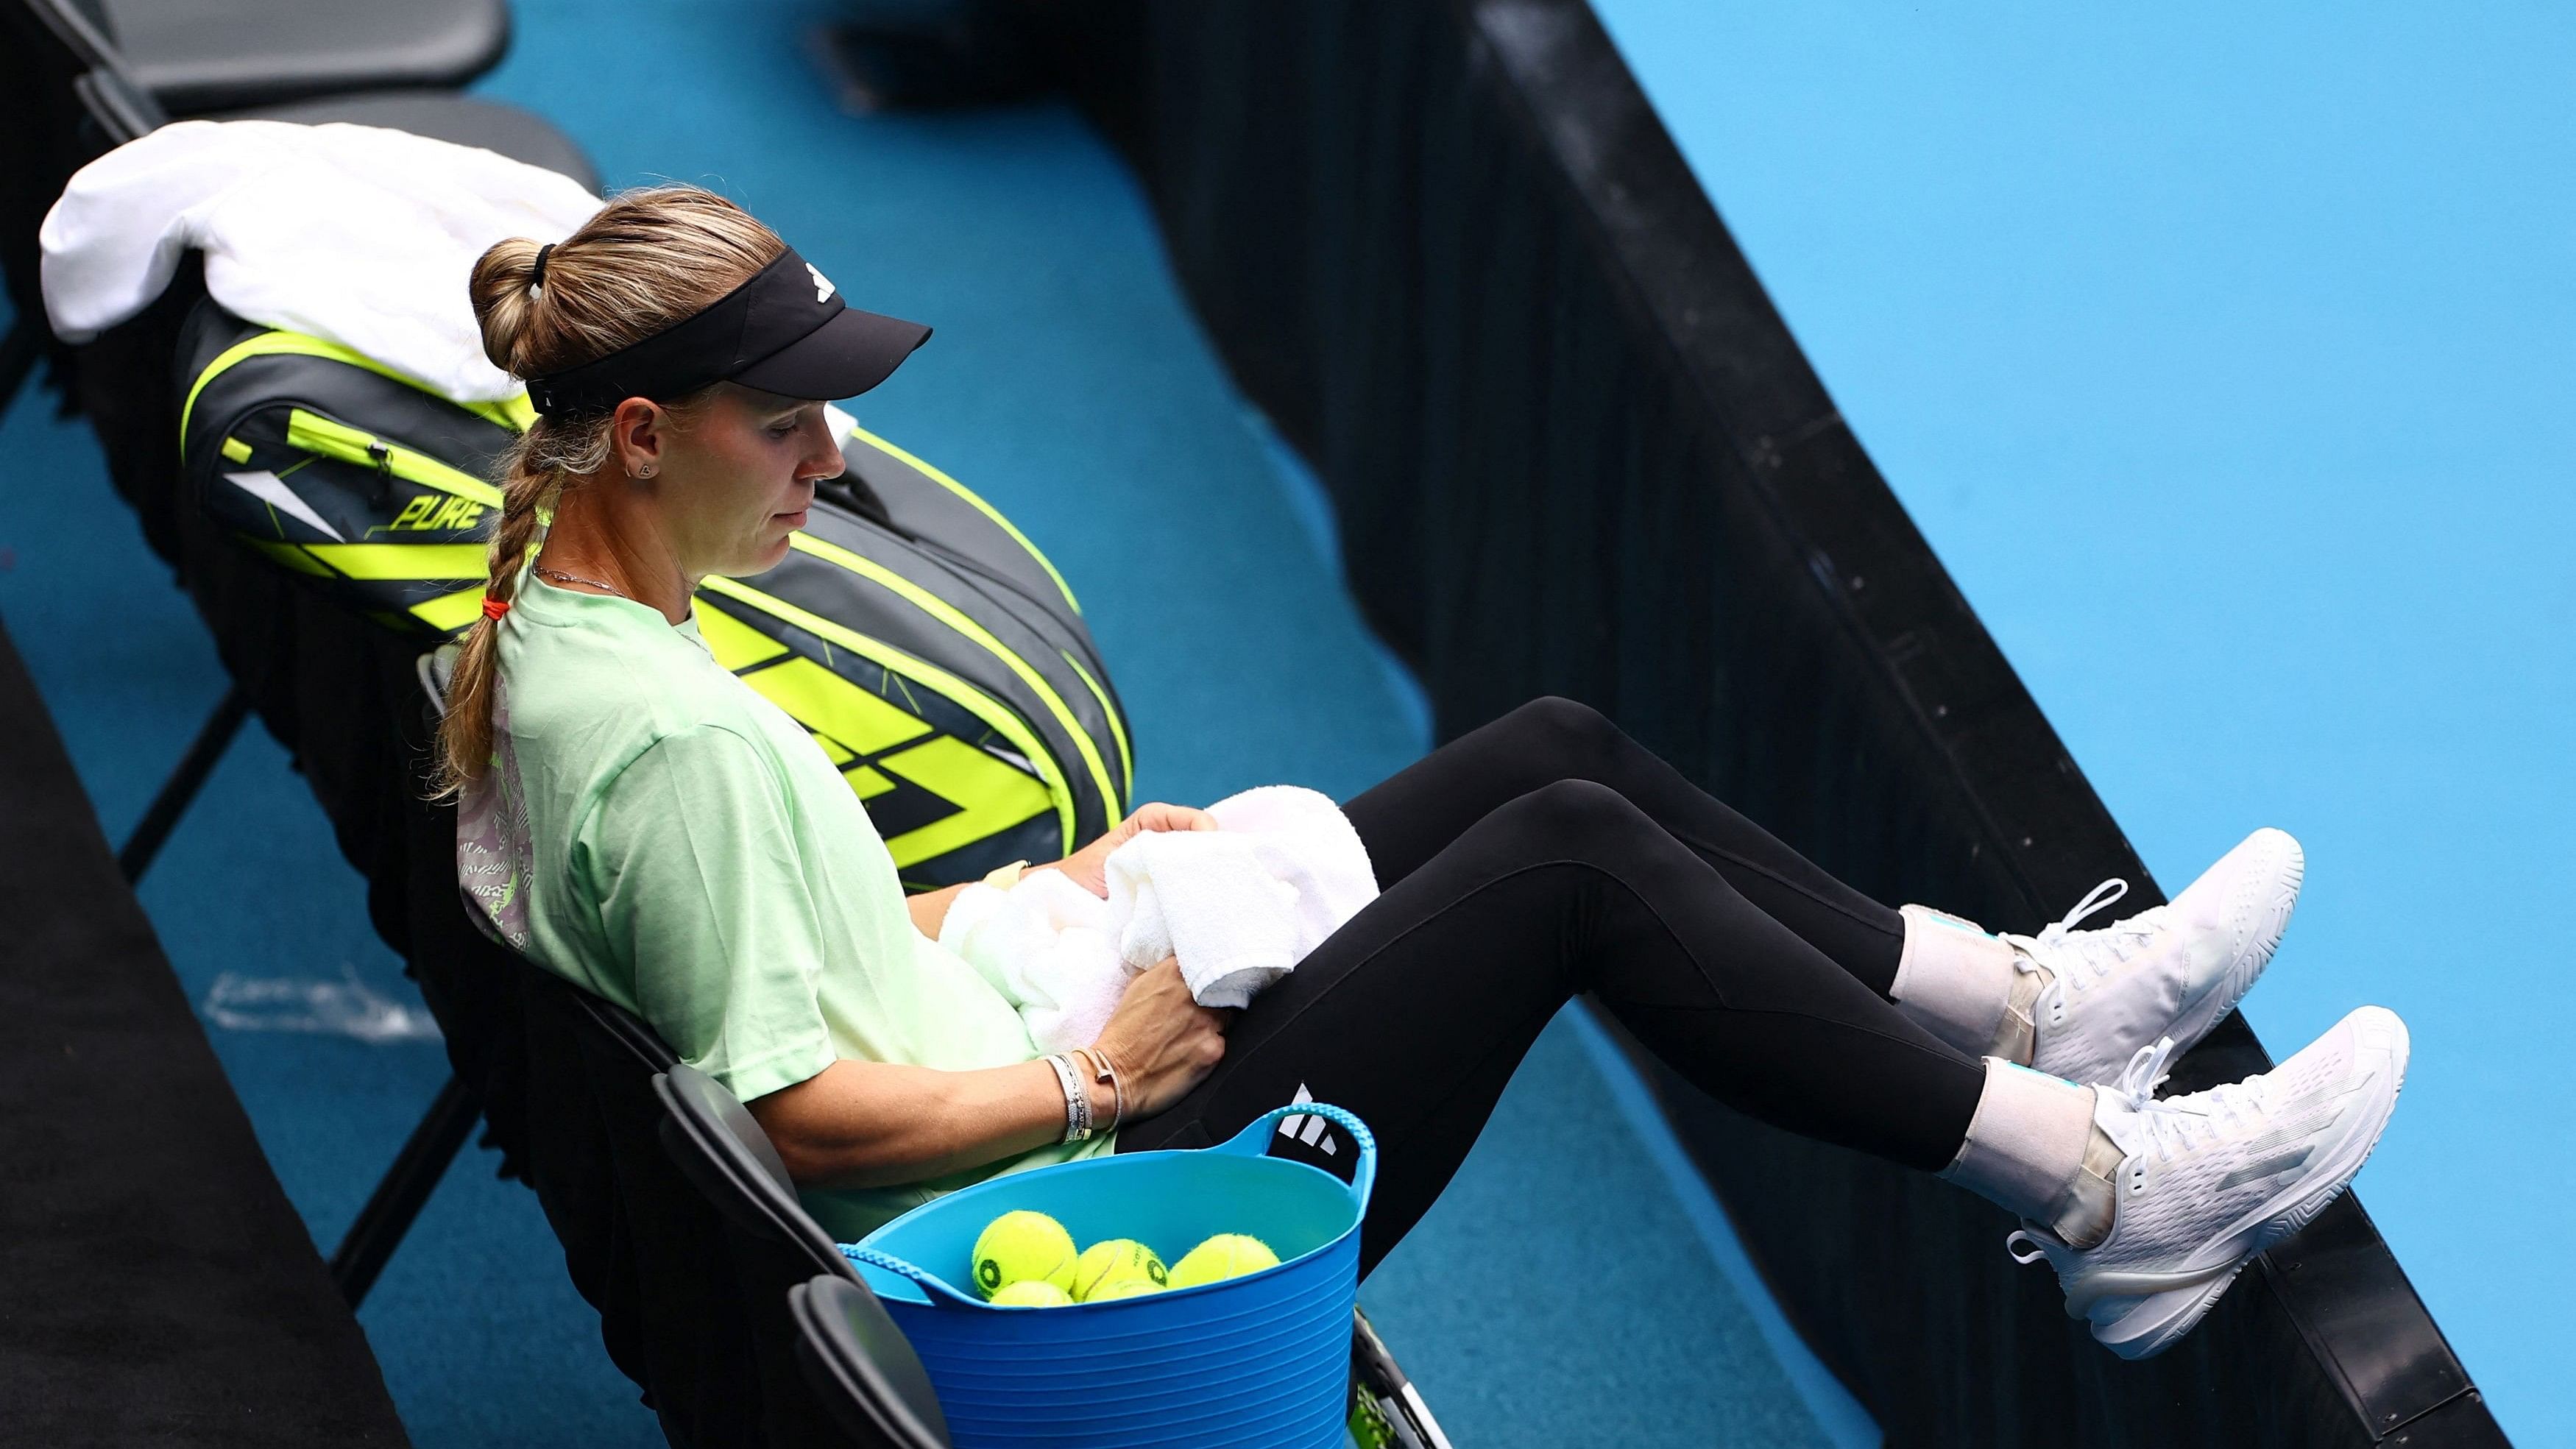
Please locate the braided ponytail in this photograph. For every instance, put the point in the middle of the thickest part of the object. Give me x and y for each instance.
(646, 260)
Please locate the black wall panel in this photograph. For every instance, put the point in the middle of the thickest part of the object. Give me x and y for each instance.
(1452, 251)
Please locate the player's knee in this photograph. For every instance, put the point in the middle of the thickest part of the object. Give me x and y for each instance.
(1569, 812)
(1573, 735)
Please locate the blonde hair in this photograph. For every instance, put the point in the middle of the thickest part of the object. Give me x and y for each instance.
(648, 259)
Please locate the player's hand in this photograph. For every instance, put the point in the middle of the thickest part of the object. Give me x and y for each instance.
(1163, 1042)
(1090, 865)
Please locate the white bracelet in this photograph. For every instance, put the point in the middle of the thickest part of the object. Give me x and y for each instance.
(1077, 1102)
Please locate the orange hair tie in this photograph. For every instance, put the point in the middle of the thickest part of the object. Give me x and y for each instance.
(494, 608)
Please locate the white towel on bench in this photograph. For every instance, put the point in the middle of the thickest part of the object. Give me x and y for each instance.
(355, 234)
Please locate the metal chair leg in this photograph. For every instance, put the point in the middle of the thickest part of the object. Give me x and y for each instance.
(407, 1184)
(163, 815)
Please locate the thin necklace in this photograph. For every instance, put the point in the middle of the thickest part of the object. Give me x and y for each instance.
(561, 577)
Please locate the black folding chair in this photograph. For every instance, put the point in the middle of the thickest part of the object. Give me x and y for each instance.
(73, 95)
(771, 1243)
(69, 92)
(861, 1367)
(201, 56)
(677, 1313)
(721, 1149)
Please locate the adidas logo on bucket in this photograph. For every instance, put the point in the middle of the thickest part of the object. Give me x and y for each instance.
(1313, 1131)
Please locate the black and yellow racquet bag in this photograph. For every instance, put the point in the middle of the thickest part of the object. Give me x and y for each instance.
(934, 653)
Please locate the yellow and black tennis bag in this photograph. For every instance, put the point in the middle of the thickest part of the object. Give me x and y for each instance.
(936, 655)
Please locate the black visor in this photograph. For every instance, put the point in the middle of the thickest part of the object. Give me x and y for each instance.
(785, 331)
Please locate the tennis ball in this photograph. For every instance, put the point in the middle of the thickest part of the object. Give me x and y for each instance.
(1114, 1261)
(1032, 1293)
(1227, 1255)
(1117, 1288)
(1021, 1247)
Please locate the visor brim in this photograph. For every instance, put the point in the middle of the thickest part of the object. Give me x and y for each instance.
(841, 359)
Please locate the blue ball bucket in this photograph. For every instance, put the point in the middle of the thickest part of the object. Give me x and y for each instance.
(1261, 1360)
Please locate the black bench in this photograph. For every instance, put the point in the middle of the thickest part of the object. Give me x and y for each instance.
(160, 1288)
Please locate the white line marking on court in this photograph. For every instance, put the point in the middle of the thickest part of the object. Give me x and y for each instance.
(346, 1007)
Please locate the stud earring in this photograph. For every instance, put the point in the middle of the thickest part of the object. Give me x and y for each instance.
(645, 472)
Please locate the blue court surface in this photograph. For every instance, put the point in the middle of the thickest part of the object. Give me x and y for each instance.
(1576, 1286)
(2224, 355)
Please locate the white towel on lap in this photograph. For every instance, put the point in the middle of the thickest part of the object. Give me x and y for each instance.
(1242, 905)
(356, 234)
(1239, 906)
(1047, 945)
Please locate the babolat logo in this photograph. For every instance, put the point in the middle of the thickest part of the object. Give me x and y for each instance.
(438, 511)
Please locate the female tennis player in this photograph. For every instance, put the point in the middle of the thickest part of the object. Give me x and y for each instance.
(640, 821)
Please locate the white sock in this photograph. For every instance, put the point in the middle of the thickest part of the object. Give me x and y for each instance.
(2033, 1149)
(1959, 984)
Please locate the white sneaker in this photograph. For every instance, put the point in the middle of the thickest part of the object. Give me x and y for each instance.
(2170, 971)
(2213, 1178)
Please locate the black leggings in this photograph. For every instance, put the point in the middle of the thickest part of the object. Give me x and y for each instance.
(1548, 854)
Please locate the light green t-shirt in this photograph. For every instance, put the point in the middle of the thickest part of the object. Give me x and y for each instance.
(659, 834)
